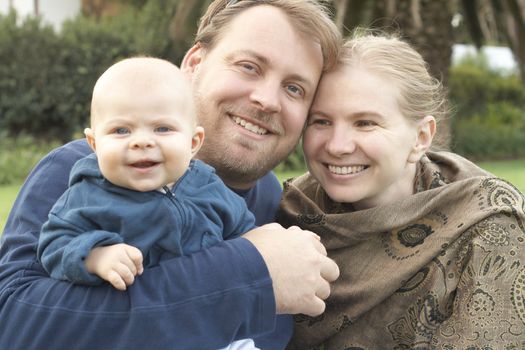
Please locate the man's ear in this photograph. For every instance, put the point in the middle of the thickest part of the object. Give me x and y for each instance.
(90, 137)
(192, 59)
(197, 140)
(426, 129)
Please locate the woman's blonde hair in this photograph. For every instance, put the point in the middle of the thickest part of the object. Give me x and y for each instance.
(395, 60)
(309, 17)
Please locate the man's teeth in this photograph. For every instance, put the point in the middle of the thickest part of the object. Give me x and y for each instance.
(249, 126)
(345, 170)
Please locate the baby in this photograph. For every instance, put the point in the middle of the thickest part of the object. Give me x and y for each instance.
(140, 198)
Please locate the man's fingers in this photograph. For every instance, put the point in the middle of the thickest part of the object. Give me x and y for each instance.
(319, 246)
(323, 290)
(329, 269)
(315, 308)
(298, 266)
(297, 228)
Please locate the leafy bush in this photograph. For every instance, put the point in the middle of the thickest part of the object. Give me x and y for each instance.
(28, 54)
(47, 78)
(19, 155)
(489, 119)
(473, 87)
(295, 161)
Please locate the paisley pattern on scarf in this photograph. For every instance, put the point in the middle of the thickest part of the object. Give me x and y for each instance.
(442, 269)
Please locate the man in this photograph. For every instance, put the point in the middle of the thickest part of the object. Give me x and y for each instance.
(254, 68)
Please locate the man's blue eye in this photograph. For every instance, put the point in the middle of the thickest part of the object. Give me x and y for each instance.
(294, 89)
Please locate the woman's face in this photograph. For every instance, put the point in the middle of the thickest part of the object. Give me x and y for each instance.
(357, 143)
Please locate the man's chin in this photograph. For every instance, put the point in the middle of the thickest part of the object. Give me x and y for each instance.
(241, 171)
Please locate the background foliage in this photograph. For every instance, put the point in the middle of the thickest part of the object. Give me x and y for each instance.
(46, 79)
(489, 112)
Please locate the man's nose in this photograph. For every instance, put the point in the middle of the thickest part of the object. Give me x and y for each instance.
(266, 95)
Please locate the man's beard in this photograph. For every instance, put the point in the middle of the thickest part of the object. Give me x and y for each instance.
(219, 148)
(237, 169)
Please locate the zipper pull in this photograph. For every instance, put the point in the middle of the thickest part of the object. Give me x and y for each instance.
(168, 191)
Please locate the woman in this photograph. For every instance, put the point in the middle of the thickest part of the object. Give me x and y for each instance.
(430, 246)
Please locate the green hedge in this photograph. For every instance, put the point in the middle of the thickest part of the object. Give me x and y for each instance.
(46, 78)
(489, 118)
(19, 155)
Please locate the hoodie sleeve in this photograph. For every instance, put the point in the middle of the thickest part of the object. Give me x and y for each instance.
(73, 228)
(63, 248)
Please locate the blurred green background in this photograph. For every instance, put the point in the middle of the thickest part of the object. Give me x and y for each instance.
(47, 70)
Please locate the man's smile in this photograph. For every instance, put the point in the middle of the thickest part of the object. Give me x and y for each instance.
(249, 126)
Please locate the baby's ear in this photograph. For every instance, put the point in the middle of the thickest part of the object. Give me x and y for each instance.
(90, 137)
(426, 129)
(197, 140)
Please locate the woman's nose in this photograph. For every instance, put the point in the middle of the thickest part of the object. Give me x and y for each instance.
(341, 142)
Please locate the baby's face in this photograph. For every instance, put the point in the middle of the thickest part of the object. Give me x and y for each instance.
(145, 139)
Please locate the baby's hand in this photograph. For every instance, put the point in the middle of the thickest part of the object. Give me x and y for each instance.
(118, 264)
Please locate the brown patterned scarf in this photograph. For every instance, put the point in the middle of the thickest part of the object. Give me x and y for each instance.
(441, 269)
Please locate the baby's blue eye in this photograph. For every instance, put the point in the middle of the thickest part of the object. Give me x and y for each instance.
(121, 131)
(163, 129)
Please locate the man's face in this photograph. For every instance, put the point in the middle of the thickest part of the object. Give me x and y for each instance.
(253, 90)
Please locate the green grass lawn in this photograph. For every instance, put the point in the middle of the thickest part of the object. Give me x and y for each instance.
(512, 171)
(7, 197)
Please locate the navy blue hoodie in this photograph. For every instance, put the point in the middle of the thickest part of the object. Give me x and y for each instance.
(201, 301)
(198, 212)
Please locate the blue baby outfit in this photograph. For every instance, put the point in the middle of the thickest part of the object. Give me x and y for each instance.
(197, 213)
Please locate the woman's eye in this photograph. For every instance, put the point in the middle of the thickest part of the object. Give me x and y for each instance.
(365, 123)
(320, 122)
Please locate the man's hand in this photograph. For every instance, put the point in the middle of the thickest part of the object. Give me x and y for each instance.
(118, 264)
(298, 265)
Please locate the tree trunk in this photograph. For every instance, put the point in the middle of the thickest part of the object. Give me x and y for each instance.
(513, 12)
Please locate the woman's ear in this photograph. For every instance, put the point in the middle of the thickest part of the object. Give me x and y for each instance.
(90, 137)
(197, 140)
(192, 59)
(426, 129)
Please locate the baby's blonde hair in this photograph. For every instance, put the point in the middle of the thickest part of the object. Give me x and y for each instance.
(149, 72)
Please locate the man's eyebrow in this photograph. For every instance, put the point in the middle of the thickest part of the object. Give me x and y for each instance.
(251, 53)
(265, 61)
